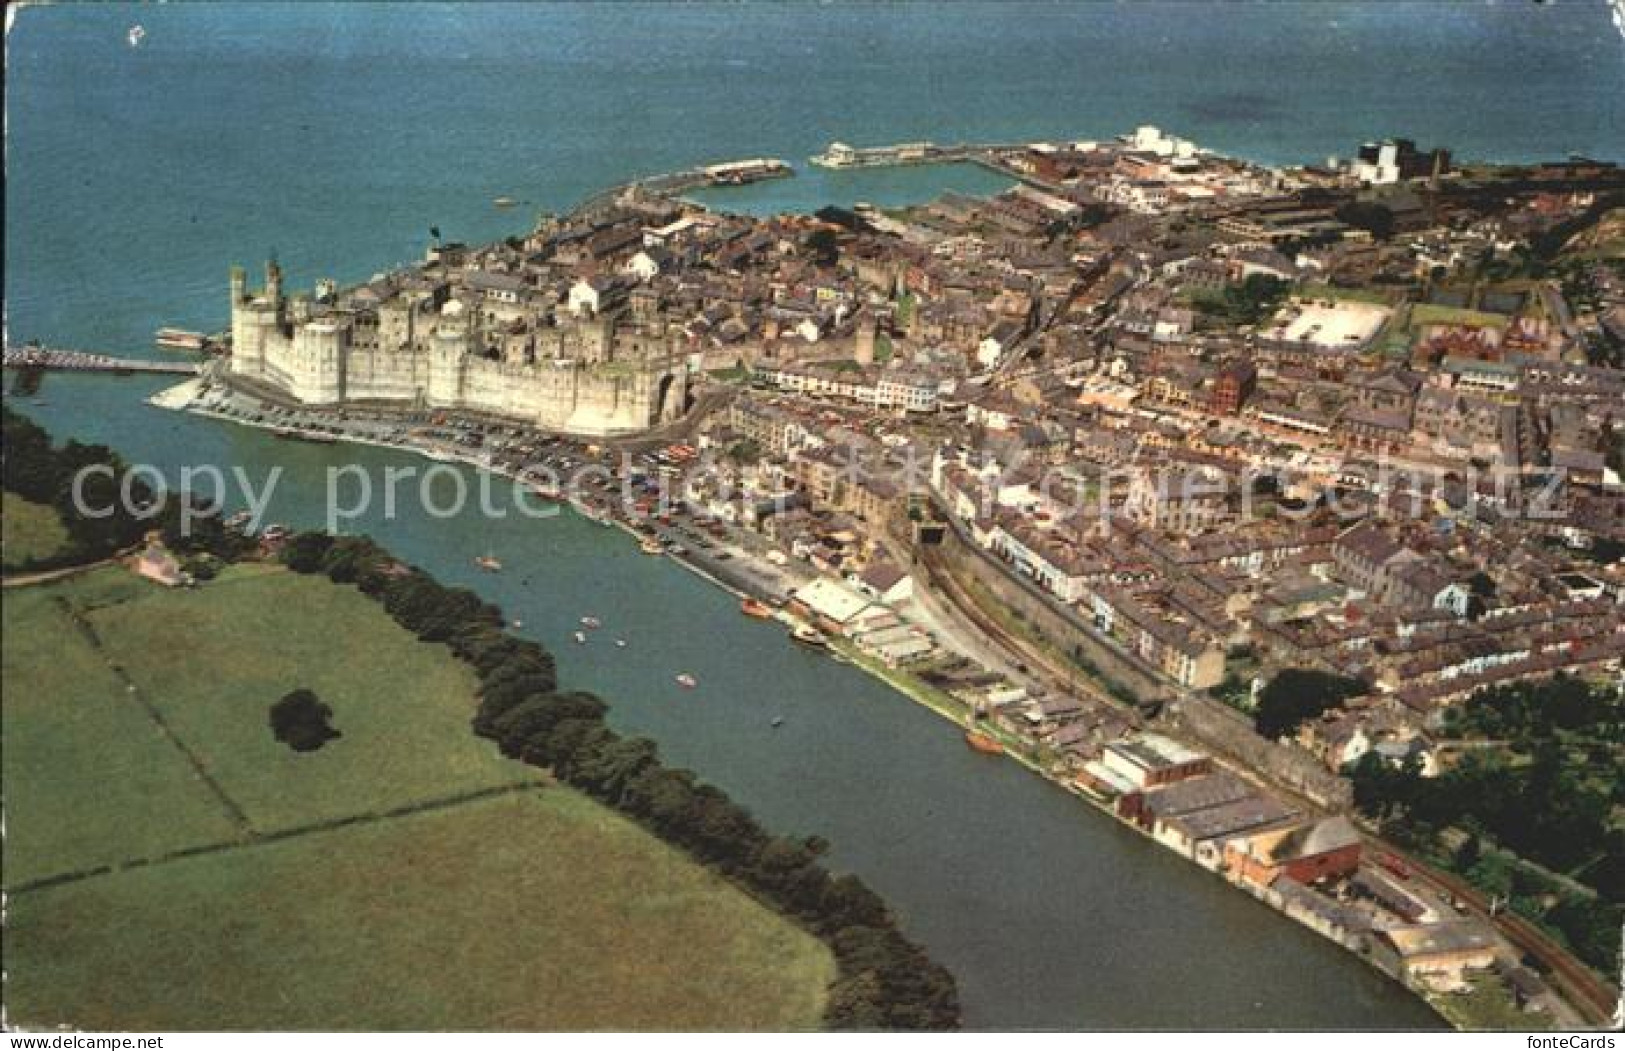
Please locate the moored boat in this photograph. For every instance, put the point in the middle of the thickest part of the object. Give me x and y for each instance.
(983, 743)
(809, 636)
(591, 622)
(180, 339)
(652, 547)
(290, 435)
(489, 563)
(753, 608)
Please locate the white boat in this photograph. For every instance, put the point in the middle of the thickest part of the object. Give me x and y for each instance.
(591, 622)
(580, 636)
(621, 643)
(687, 681)
(136, 35)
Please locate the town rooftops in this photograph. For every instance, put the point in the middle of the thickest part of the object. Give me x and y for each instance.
(832, 600)
(1233, 818)
(1154, 752)
(1197, 793)
(1306, 840)
(1457, 936)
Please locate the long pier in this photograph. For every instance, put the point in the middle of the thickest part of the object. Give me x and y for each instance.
(673, 184)
(55, 359)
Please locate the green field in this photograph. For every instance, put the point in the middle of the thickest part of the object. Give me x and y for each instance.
(28, 531)
(1434, 314)
(199, 874)
(85, 769)
(214, 659)
(534, 911)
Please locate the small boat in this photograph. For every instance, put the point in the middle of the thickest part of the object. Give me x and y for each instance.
(504, 202)
(983, 743)
(580, 636)
(809, 636)
(687, 681)
(778, 721)
(180, 339)
(518, 623)
(652, 547)
(136, 35)
(489, 563)
(621, 643)
(591, 622)
(290, 435)
(752, 608)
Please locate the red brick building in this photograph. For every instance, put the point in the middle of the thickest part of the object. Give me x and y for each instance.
(1306, 852)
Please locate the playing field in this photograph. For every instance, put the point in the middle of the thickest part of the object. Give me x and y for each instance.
(28, 531)
(169, 864)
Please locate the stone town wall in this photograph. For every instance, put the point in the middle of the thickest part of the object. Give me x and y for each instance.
(1225, 730)
(1065, 628)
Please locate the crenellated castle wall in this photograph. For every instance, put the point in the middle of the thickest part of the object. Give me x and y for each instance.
(426, 360)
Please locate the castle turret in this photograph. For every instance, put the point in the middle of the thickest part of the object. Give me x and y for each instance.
(449, 349)
(273, 283)
(254, 326)
(316, 374)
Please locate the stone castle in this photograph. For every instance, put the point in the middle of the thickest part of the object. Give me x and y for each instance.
(597, 363)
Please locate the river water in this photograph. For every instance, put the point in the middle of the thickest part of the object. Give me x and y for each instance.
(336, 135)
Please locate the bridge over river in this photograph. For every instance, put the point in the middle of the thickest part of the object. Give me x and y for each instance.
(54, 359)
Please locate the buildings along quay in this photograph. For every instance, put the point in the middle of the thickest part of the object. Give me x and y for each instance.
(1113, 409)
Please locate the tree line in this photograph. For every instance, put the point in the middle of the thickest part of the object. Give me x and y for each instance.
(1544, 781)
(35, 470)
(884, 980)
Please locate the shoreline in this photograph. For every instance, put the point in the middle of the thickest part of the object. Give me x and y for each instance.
(181, 397)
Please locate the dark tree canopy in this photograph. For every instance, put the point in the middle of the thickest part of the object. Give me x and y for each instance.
(1297, 695)
(301, 721)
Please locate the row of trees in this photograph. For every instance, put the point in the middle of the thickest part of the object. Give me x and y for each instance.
(35, 470)
(1545, 784)
(885, 981)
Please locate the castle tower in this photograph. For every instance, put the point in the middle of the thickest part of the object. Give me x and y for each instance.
(273, 283)
(448, 351)
(254, 326)
(317, 375)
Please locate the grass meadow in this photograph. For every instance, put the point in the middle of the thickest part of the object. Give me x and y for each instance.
(170, 865)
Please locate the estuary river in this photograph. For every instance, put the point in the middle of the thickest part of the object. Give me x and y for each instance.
(337, 135)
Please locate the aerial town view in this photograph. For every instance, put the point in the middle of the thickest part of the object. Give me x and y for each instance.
(761, 517)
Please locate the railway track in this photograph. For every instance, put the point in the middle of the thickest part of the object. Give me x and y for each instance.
(1595, 998)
